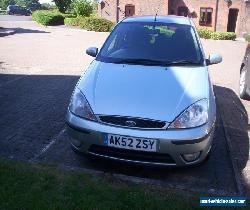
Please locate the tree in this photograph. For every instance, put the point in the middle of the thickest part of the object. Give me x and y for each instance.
(5, 3)
(83, 8)
(62, 5)
(30, 4)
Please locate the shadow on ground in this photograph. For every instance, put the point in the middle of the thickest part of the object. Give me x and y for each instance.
(25, 31)
(32, 125)
(236, 129)
(12, 31)
(32, 110)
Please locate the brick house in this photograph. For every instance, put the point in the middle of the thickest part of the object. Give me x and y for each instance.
(217, 15)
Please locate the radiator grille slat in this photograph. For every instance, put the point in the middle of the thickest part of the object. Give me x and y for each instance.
(138, 122)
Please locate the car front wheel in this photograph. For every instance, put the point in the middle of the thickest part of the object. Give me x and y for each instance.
(243, 84)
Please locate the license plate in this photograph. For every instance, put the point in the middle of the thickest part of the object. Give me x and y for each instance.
(131, 143)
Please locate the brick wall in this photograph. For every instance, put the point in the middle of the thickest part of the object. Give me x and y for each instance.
(108, 9)
(114, 10)
(144, 7)
(243, 20)
(194, 9)
(223, 14)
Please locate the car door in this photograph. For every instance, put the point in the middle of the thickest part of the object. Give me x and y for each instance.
(247, 63)
(18, 10)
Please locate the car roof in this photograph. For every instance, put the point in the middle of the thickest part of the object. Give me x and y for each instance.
(163, 19)
(14, 6)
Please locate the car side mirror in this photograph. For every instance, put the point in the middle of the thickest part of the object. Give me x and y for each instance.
(214, 59)
(92, 51)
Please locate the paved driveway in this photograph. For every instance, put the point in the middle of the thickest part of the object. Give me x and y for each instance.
(38, 71)
(15, 18)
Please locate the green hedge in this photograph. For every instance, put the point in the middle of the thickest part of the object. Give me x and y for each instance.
(48, 17)
(90, 23)
(204, 33)
(223, 36)
(68, 15)
(247, 38)
(208, 34)
(96, 24)
(71, 21)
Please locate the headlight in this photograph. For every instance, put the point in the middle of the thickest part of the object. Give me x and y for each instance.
(194, 116)
(80, 106)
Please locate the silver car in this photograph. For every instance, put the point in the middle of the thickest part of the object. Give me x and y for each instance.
(147, 97)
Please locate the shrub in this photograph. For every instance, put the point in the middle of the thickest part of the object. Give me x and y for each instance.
(96, 24)
(204, 33)
(90, 23)
(48, 18)
(5, 3)
(71, 21)
(81, 22)
(83, 8)
(247, 38)
(68, 15)
(207, 34)
(223, 35)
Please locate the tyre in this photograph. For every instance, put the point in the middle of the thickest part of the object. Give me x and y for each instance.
(243, 84)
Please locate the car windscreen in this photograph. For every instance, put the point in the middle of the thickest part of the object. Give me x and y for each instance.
(152, 43)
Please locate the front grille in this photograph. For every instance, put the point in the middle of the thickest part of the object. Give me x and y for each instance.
(132, 155)
(139, 123)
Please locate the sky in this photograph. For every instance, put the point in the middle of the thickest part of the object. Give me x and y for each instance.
(45, 1)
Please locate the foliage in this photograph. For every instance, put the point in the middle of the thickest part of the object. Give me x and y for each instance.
(47, 6)
(48, 18)
(5, 3)
(30, 4)
(96, 24)
(83, 8)
(91, 23)
(63, 5)
(95, 7)
(247, 38)
(68, 15)
(223, 36)
(208, 34)
(71, 21)
(204, 33)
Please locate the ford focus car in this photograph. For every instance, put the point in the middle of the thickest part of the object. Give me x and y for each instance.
(146, 98)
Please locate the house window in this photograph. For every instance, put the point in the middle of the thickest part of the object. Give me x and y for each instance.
(129, 10)
(206, 16)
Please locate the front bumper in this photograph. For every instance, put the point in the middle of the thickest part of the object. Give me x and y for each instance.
(85, 135)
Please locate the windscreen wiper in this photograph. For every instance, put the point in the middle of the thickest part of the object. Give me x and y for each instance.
(140, 62)
(182, 63)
